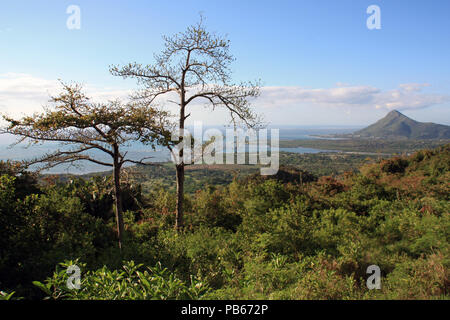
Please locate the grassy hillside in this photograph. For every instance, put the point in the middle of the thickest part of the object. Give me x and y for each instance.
(272, 238)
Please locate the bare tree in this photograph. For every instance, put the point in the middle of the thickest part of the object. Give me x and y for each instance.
(194, 65)
(73, 120)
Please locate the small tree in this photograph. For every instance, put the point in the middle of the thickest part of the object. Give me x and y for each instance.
(86, 126)
(194, 65)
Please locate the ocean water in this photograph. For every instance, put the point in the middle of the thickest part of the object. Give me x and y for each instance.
(138, 151)
(289, 133)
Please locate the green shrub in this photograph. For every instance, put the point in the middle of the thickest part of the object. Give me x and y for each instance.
(211, 209)
(133, 282)
(395, 165)
(423, 278)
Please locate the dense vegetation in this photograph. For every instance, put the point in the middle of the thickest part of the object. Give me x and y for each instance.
(162, 175)
(291, 236)
(367, 146)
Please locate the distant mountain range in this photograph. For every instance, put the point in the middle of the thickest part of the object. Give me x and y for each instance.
(396, 125)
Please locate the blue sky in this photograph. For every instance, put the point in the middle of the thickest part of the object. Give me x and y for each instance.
(319, 62)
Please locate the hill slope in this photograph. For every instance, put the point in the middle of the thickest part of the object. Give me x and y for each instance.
(397, 125)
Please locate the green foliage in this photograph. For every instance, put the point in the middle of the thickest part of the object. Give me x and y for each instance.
(7, 296)
(41, 230)
(132, 282)
(211, 208)
(255, 238)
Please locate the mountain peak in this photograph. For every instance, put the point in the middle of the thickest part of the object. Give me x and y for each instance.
(396, 125)
(395, 113)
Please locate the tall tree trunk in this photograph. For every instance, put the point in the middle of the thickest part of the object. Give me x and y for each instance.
(179, 223)
(118, 197)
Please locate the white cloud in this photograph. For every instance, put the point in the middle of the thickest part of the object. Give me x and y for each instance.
(24, 94)
(413, 86)
(407, 96)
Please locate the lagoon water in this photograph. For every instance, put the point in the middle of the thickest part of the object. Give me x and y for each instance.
(137, 151)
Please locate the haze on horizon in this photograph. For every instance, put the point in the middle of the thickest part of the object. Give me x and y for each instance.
(319, 63)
